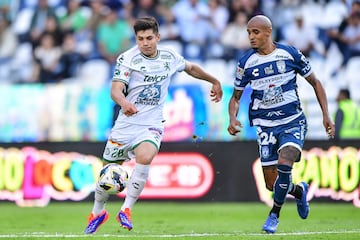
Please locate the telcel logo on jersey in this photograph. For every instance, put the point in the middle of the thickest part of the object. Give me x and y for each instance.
(155, 78)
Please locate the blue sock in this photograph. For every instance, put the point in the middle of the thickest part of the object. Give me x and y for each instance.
(282, 184)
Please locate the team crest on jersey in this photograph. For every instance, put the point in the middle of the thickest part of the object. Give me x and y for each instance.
(281, 67)
(240, 72)
(167, 66)
(265, 152)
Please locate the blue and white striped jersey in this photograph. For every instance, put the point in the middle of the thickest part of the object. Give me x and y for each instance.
(272, 77)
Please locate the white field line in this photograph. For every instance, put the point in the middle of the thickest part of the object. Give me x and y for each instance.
(60, 235)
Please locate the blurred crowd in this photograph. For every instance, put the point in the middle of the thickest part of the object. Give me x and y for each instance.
(49, 41)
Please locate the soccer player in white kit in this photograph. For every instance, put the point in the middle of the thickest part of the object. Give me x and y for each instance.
(140, 85)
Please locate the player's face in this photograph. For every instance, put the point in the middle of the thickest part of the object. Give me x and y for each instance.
(147, 42)
(258, 36)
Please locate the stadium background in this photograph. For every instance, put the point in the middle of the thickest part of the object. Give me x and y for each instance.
(52, 134)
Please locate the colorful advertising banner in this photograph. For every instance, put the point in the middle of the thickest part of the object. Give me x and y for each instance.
(332, 173)
(32, 177)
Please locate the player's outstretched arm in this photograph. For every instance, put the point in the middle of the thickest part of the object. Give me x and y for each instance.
(233, 109)
(321, 97)
(198, 72)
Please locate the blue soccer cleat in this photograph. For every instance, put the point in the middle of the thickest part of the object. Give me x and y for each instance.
(94, 222)
(124, 218)
(271, 223)
(302, 205)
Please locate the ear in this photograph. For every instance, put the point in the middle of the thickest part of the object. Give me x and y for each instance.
(269, 31)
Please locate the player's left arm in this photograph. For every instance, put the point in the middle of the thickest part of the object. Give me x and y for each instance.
(321, 97)
(198, 72)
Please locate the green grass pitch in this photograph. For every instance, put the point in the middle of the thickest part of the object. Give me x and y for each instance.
(181, 220)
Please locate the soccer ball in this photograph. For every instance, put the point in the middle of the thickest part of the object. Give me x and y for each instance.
(113, 178)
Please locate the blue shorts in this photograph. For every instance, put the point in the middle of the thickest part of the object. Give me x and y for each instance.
(272, 139)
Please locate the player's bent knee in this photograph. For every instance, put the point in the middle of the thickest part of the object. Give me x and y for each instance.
(289, 154)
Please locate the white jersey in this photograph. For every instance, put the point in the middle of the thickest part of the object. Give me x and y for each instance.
(147, 81)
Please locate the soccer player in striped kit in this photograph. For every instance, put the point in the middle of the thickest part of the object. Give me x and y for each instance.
(270, 69)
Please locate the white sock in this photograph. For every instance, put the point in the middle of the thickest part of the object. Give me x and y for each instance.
(136, 184)
(100, 200)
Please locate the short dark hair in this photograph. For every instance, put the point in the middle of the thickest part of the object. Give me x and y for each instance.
(345, 92)
(145, 23)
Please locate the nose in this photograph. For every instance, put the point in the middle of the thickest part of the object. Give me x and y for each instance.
(145, 42)
(251, 36)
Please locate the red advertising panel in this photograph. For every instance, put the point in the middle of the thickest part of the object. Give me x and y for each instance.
(177, 175)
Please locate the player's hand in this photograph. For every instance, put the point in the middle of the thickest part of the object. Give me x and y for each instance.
(329, 127)
(216, 92)
(234, 127)
(128, 109)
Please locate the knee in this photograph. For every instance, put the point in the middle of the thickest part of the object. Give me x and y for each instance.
(288, 155)
(144, 159)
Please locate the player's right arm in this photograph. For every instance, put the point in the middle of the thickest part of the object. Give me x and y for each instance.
(117, 94)
(233, 109)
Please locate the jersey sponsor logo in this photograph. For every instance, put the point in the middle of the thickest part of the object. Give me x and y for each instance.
(269, 70)
(157, 130)
(150, 95)
(165, 56)
(275, 113)
(292, 129)
(281, 57)
(155, 78)
(137, 61)
(253, 63)
(306, 69)
(255, 72)
(155, 67)
(306, 62)
(304, 59)
(297, 135)
(273, 95)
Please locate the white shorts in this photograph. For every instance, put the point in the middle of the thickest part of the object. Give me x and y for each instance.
(125, 138)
